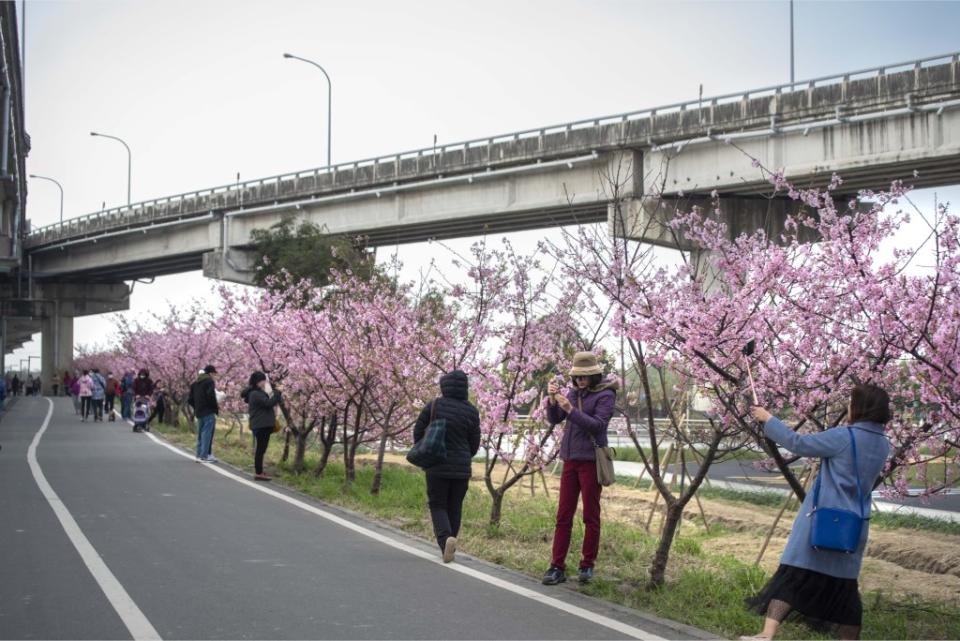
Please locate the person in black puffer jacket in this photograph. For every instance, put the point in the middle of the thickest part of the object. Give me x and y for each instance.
(447, 482)
(262, 418)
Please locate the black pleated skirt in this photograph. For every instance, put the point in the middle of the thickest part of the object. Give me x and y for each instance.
(821, 601)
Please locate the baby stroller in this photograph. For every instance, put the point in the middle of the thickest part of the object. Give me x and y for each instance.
(141, 414)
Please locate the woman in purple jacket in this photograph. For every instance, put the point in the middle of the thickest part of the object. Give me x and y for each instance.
(587, 408)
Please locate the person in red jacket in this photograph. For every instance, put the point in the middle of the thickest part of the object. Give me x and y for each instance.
(111, 390)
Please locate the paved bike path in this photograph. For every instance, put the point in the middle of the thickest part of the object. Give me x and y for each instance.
(205, 556)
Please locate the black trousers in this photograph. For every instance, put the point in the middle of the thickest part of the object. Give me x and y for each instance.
(445, 498)
(159, 409)
(262, 436)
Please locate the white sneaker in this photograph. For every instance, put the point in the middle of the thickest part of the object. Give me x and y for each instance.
(210, 459)
(450, 549)
(198, 460)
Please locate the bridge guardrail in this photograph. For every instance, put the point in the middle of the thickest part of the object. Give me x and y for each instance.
(682, 115)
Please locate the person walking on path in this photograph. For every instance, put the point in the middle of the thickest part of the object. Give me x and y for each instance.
(99, 393)
(75, 392)
(126, 398)
(819, 585)
(143, 384)
(85, 392)
(203, 400)
(112, 389)
(159, 403)
(587, 409)
(67, 382)
(447, 482)
(263, 418)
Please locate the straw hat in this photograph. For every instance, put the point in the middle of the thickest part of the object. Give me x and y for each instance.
(585, 364)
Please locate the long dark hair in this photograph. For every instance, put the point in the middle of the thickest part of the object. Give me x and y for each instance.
(870, 403)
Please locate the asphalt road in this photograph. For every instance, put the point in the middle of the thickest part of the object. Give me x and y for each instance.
(744, 472)
(202, 555)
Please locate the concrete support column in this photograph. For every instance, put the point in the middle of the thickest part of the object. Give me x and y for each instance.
(56, 350)
(647, 219)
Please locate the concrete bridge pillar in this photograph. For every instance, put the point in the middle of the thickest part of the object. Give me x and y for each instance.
(647, 219)
(56, 305)
(56, 354)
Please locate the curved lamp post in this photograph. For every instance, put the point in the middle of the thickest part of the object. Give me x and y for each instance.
(329, 98)
(58, 185)
(129, 157)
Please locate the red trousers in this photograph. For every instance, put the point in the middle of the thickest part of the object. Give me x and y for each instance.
(579, 478)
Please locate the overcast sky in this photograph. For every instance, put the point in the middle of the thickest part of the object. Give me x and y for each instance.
(200, 90)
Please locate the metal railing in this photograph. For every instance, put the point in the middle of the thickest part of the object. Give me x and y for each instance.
(439, 151)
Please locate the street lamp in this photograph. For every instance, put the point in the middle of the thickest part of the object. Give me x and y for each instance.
(329, 98)
(58, 185)
(129, 158)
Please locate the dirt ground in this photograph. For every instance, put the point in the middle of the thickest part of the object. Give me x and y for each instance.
(898, 561)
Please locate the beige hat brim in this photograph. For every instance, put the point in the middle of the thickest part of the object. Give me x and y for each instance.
(586, 371)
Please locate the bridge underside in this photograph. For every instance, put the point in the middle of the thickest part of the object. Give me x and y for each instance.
(921, 148)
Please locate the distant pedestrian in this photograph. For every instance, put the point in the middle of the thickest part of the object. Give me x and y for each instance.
(203, 400)
(85, 391)
(15, 385)
(75, 392)
(159, 403)
(67, 382)
(819, 584)
(111, 392)
(587, 408)
(126, 399)
(263, 418)
(99, 393)
(448, 482)
(143, 384)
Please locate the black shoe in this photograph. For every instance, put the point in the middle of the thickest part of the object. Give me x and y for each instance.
(586, 575)
(554, 576)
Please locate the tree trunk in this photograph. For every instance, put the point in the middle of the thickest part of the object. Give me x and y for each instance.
(350, 448)
(349, 469)
(324, 459)
(349, 473)
(496, 509)
(301, 450)
(658, 567)
(286, 448)
(328, 436)
(378, 473)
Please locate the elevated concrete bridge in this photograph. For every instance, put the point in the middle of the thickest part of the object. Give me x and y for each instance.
(871, 126)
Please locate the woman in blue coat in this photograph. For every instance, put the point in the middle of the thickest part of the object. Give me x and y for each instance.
(820, 585)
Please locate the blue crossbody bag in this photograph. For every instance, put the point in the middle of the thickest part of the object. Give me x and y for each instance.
(833, 528)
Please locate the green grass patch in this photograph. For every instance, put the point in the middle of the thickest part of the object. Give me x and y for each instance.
(891, 520)
(703, 589)
(885, 520)
(763, 499)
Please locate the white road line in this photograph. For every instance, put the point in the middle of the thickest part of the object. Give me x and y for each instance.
(552, 602)
(130, 614)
